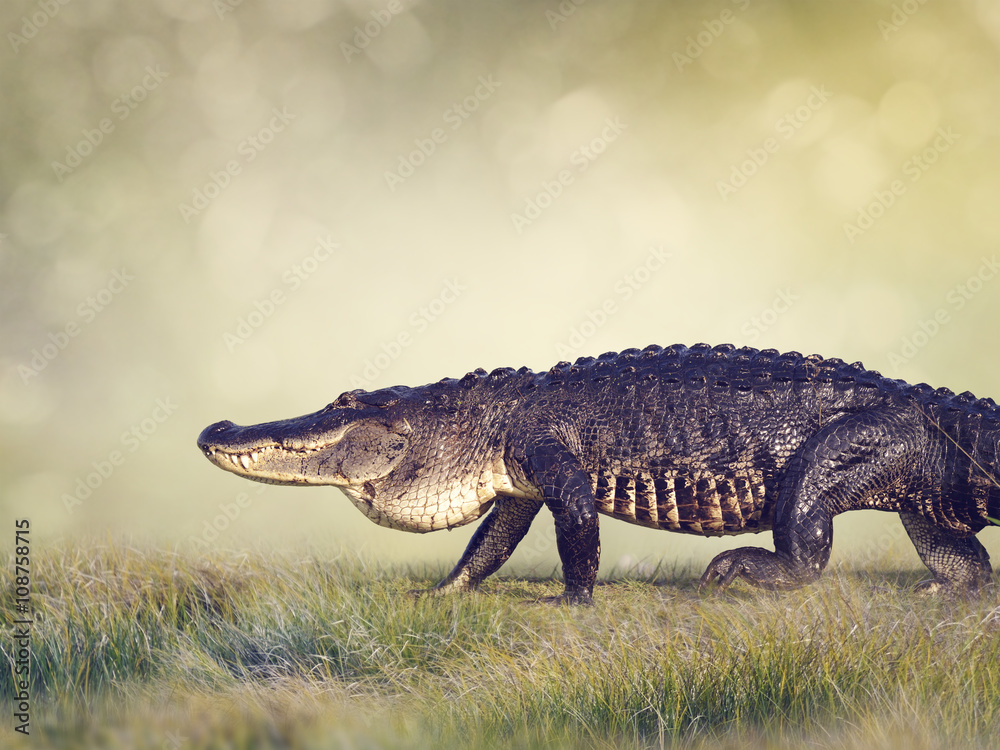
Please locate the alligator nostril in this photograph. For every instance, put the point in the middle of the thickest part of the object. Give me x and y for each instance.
(209, 433)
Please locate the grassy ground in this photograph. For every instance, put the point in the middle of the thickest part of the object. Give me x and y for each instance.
(147, 648)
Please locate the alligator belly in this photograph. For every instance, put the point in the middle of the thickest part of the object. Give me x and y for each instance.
(685, 500)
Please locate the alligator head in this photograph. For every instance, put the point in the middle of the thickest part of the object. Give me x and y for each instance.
(400, 462)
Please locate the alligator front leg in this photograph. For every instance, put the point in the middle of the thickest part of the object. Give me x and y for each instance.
(568, 494)
(579, 546)
(491, 545)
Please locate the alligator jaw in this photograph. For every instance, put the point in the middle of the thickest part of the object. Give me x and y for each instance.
(244, 464)
(248, 453)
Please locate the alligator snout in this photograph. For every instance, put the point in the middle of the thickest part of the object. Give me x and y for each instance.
(208, 436)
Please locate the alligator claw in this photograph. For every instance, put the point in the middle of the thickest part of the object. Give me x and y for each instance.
(724, 569)
(417, 593)
(438, 590)
(571, 600)
(934, 587)
(757, 566)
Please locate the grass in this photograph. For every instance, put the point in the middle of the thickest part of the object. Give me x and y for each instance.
(149, 648)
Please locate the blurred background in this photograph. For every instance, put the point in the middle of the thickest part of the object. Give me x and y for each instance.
(240, 209)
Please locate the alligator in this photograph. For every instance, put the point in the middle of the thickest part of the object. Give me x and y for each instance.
(701, 440)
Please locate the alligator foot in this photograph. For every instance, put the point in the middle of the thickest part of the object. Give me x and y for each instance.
(443, 589)
(933, 587)
(947, 589)
(572, 600)
(417, 593)
(760, 567)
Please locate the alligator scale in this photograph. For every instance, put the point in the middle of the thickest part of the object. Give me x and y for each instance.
(702, 440)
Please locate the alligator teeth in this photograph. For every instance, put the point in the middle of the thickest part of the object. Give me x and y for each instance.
(244, 460)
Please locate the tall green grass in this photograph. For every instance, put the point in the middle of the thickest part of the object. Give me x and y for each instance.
(139, 647)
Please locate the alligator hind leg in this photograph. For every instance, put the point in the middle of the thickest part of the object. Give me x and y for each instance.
(491, 545)
(758, 566)
(959, 563)
(803, 536)
(833, 471)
